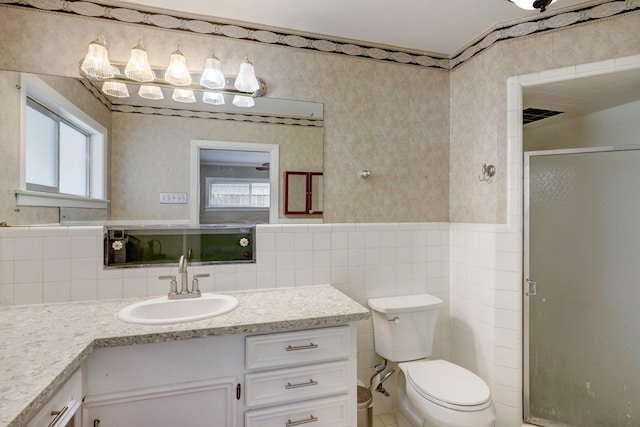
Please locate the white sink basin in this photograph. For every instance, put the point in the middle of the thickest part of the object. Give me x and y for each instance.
(163, 311)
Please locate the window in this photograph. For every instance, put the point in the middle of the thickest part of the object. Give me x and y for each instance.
(238, 193)
(57, 153)
(64, 151)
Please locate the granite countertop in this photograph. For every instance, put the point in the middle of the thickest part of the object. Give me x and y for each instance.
(42, 345)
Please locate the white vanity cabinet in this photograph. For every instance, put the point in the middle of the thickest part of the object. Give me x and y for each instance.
(62, 409)
(193, 383)
(301, 377)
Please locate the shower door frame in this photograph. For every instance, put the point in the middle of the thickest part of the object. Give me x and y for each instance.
(526, 267)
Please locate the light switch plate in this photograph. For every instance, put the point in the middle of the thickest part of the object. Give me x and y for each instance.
(173, 198)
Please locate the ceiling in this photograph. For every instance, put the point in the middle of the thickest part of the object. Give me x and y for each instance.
(440, 27)
(577, 97)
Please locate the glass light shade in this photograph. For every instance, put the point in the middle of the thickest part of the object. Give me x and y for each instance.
(213, 98)
(527, 4)
(243, 101)
(96, 64)
(115, 89)
(138, 67)
(150, 92)
(177, 72)
(183, 95)
(246, 80)
(212, 77)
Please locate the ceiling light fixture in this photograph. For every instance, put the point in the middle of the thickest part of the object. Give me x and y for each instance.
(533, 4)
(139, 77)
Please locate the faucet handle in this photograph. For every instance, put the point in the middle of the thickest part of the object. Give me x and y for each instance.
(173, 285)
(195, 285)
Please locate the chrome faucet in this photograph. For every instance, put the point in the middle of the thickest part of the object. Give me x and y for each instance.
(184, 275)
(184, 282)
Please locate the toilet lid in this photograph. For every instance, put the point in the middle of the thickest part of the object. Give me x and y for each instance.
(445, 382)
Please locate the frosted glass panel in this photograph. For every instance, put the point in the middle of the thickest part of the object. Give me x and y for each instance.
(73, 161)
(584, 343)
(42, 149)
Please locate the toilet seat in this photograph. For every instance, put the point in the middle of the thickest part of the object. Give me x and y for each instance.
(447, 385)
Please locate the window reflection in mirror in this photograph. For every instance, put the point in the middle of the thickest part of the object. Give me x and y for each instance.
(236, 182)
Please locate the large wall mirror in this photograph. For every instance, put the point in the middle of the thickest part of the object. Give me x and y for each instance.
(149, 152)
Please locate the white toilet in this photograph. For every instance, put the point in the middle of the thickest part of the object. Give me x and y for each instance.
(431, 393)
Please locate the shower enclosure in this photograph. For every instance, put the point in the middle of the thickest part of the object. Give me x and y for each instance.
(582, 287)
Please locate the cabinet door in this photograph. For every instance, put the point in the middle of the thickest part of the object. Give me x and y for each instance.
(60, 410)
(209, 403)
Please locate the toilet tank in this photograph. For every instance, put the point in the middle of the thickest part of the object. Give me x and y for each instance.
(404, 326)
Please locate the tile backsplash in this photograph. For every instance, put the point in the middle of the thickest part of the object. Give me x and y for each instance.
(62, 264)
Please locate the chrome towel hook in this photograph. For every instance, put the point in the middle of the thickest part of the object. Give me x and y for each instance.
(488, 172)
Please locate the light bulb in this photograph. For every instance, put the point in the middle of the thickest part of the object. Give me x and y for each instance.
(96, 64)
(212, 77)
(177, 72)
(213, 98)
(246, 80)
(138, 67)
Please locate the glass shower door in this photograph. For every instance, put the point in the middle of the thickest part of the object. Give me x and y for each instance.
(582, 296)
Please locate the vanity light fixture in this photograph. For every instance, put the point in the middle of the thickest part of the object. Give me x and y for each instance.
(118, 90)
(96, 63)
(150, 92)
(113, 88)
(183, 95)
(138, 67)
(246, 80)
(213, 98)
(177, 72)
(533, 4)
(213, 83)
(243, 101)
(212, 77)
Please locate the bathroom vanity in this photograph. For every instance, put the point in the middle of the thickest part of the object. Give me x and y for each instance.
(283, 357)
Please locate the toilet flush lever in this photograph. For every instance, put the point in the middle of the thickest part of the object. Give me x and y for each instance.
(531, 288)
(395, 320)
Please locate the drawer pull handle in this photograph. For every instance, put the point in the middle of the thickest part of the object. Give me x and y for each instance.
(307, 384)
(301, 347)
(311, 419)
(58, 415)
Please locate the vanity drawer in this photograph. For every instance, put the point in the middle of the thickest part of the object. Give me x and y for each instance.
(297, 348)
(329, 412)
(295, 384)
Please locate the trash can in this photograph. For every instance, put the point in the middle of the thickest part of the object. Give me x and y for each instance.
(365, 407)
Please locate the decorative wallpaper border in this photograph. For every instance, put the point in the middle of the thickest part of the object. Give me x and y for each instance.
(218, 116)
(562, 20)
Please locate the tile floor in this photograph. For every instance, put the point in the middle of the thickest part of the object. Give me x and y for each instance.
(384, 420)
